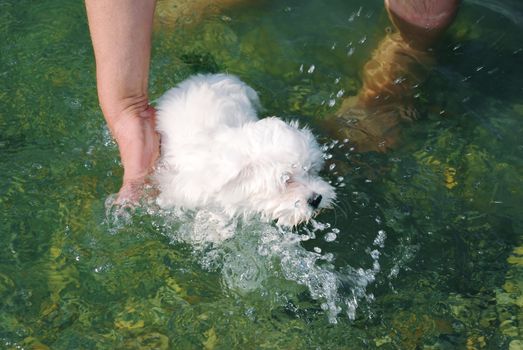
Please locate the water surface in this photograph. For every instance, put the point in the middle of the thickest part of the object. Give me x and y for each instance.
(423, 249)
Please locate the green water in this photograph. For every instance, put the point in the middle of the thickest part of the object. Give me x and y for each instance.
(424, 249)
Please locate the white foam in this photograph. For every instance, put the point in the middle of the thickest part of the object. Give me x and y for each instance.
(249, 254)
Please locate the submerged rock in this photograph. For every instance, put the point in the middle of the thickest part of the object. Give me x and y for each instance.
(509, 300)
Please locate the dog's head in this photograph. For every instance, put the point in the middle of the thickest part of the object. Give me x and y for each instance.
(281, 179)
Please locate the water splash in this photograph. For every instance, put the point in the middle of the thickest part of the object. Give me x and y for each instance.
(253, 256)
(117, 215)
(120, 214)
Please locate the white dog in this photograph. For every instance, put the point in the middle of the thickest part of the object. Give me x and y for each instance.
(215, 152)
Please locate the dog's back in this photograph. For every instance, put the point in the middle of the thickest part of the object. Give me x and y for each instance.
(202, 103)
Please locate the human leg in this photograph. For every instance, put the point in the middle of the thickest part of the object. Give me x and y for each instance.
(399, 63)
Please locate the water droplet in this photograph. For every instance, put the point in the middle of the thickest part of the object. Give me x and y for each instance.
(332, 166)
(311, 69)
(399, 80)
(328, 257)
(75, 103)
(380, 238)
(330, 237)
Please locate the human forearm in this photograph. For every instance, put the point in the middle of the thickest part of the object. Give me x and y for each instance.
(121, 35)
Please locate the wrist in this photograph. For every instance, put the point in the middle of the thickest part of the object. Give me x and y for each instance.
(116, 110)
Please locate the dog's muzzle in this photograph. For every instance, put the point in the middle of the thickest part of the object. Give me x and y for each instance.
(315, 200)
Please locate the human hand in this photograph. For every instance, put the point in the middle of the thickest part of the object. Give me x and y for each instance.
(139, 143)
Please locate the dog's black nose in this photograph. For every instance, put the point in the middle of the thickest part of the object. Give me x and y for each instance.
(315, 200)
